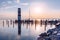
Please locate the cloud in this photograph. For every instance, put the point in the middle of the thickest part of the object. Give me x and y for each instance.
(9, 2)
(24, 4)
(3, 3)
(18, 1)
(8, 7)
(6, 3)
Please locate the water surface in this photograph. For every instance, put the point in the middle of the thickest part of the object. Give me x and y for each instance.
(9, 30)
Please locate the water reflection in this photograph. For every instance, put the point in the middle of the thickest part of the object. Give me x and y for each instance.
(3, 23)
(36, 22)
(13, 24)
(25, 30)
(19, 28)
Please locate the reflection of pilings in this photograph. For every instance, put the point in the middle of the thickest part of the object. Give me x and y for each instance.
(27, 25)
(23, 23)
(45, 24)
(7, 22)
(13, 24)
(41, 22)
(32, 23)
(35, 24)
(3, 23)
(19, 21)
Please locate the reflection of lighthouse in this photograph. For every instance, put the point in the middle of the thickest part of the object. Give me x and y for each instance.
(19, 21)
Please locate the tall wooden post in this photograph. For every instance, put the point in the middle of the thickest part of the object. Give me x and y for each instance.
(19, 21)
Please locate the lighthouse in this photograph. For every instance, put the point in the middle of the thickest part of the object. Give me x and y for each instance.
(19, 21)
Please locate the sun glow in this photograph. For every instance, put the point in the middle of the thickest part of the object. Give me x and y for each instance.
(37, 9)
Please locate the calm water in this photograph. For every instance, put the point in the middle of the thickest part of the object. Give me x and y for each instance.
(9, 30)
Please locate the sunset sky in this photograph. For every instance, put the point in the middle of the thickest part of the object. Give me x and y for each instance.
(37, 8)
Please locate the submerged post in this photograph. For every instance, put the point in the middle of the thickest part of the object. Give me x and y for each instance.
(19, 21)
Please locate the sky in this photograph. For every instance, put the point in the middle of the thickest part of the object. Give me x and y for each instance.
(36, 8)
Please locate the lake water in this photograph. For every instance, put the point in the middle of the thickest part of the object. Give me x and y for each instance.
(9, 30)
